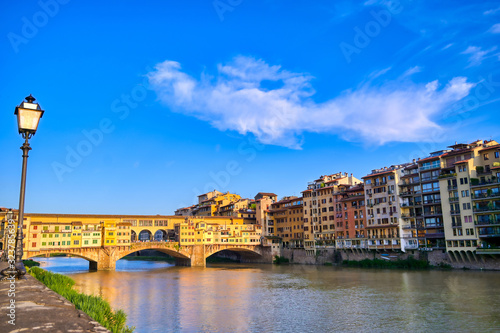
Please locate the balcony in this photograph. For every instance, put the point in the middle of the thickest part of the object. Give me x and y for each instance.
(452, 187)
(474, 182)
(447, 175)
(484, 209)
(456, 225)
(453, 199)
(435, 235)
(487, 248)
(490, 221)
(432, 202)
(489, 232)
(482, 196)
(455, 212)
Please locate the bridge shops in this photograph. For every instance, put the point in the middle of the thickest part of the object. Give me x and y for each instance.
(103, 239)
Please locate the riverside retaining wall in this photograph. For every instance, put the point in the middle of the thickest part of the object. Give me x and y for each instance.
(435, 258)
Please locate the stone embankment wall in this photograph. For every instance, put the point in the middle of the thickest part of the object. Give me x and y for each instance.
(435, 258)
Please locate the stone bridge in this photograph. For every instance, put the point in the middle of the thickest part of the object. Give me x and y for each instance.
(104, 258)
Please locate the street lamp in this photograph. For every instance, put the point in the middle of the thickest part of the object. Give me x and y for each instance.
(28, 115)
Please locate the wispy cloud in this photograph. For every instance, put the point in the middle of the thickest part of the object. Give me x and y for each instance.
(495, 28)
(491, 11)
(250, 96)
(447, 46)
(411, 71)
(477, 55)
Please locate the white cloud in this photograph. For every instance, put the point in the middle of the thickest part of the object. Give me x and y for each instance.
(477, 55)
(239, 98)
(495, 28)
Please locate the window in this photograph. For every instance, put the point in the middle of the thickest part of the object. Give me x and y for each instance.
(34, 235)
(76, 242)
(486, 156)
(33, 244)
(497, 154)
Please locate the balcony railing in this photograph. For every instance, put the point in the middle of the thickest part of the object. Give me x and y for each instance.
(485, 195)
(492, 208)
(455, 212)
(452, 187)
(487, 182)
(447, 175)
(453, 199)
(488, 221)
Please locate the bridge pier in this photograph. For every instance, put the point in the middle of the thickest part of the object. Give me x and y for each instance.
(198, 256)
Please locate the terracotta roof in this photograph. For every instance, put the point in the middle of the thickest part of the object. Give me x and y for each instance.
(378, 174)
(491, 147)
(430, 158)
(267, 193)
(462, 161)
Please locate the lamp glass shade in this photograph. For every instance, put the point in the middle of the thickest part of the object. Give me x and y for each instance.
(28, 116)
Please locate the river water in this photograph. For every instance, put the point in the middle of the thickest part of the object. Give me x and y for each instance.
(160, 297)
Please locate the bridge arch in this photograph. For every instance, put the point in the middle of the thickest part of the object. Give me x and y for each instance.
(160, 235)
(88, 258)
(240, 251)
(171, 252)
(145, 235)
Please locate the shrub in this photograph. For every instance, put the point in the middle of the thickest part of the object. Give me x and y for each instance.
(280, 260)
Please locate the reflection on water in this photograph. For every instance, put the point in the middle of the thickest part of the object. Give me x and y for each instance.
(160, 297)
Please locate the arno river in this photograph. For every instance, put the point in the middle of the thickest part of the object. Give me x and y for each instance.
(159, 297)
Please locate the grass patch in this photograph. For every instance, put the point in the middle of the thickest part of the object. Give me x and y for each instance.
(410, 263)
(278, 260)
(30, 263)
(95, 306)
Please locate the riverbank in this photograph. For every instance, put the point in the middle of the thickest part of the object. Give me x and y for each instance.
(28, 305)
(95, 306)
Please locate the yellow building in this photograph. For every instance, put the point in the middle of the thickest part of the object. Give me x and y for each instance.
(123, 234)
(91, 235)
(76, 235)
(109, 232)
(218, 231)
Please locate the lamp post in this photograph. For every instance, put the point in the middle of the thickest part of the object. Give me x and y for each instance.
(28, 115)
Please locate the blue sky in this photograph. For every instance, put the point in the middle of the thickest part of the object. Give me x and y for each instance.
(149, 104)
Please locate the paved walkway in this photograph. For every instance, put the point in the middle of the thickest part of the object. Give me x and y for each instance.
(39, 309)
